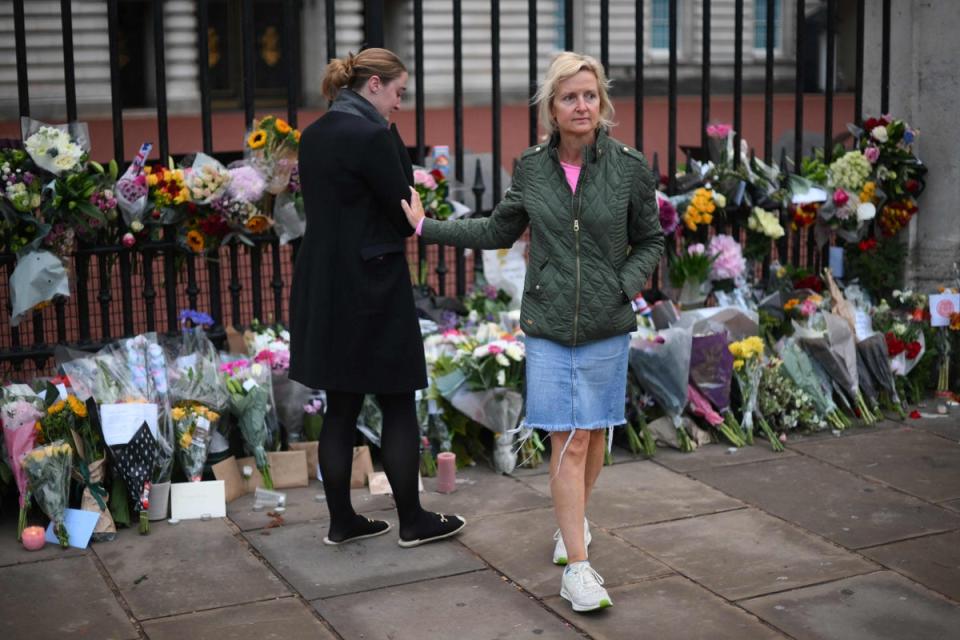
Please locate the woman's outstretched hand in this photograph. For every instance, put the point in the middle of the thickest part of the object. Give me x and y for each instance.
(413, 209)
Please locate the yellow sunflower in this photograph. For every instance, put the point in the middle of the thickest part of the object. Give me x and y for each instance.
(195, 241)
(282, 127)
(257, 139)
(79, 409)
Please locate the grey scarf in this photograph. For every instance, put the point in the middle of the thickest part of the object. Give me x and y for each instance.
(349, 101)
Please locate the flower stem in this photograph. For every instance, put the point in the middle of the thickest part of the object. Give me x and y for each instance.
(144, 527)
(633, 440)
(686, 445)
(775, 443)
(21, 523)
(267, 478)
(649, 442)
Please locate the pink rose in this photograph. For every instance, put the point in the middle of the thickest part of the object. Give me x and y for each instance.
(840, 197)
(719, 130)
(128, 240)
(424, 178)
(872, 154)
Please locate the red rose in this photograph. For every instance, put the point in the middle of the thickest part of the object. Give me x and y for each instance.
(809, 282)
(872, 123)
(438, 175)
(915, 414)
(913, 350)
(895, 345)
(912, 186)
(868, 245)
(840, 197)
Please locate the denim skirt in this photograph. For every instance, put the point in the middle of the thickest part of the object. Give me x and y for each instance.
(581, 387)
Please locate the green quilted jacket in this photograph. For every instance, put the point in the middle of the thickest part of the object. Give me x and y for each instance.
(591, 251)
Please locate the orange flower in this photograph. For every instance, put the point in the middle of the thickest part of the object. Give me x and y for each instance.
(281, 126)
(296, 135)
(791, 303)
(195, 241)
(955, 321)
(258, 224)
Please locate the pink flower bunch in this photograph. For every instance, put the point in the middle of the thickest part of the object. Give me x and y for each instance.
(728, 263)
(808, 307)
(246, 184)
(314, 407)
(720, 131)
(424, 178)
(669, 219)
(278, 360)
(234, 367)
(872, 154)
(696, 249)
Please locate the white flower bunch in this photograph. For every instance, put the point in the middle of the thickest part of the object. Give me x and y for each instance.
(207, 182)
(850, 171)
(54, 150)
(765, 222)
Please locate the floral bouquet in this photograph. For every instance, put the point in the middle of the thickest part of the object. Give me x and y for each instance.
(762, 227)
(887, 143)
(271, 148)
(193, 425)
(240, 206)
(874, 359)
(803, 215)
(433, 189)
(497, 363)
(269, 345)
(193, 364)
(48, 474)
(250, 401)
(168, 194)
(748, 368)
(19, 437)
(207, 181)
(488, 302)
(711, 372)
(662, 367)
(20, 199)
(56, 149)
(702, 206)
(851, 204)
(785, 404)
(805, 374)
(728, 264)
(690, 271)
(669, 218)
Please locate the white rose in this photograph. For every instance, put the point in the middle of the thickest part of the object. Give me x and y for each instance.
(866, 211)
(515, 352)
(482, 351)
(502, 360)
(501, 378)
(879, 133)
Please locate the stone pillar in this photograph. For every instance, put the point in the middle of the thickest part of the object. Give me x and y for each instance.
(924, 88)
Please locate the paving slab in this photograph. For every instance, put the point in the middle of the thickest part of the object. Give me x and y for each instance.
(317, 570)
(912, 460)
(836, 504)
(526, 555)
(933, 561)
(716, 455)
(474, 606)
(186, 567)
(953, 505)
(745, 553)
(619, 454)
(858, 429)
(947, 427)
(879, 606)
(482, 492)
(64, 598)
(302, 506)
(12, 551)
(643, 492)
(671, 608)
(269, 620)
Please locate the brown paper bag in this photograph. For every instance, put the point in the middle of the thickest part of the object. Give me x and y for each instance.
(235, 342)
(287, 468)
(313, 459)
(105, 523)
(362, 467)
(229, 471)
(379, 485)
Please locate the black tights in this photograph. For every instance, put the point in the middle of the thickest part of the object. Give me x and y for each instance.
(399, 450)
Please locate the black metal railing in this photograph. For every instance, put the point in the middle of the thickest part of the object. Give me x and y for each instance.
(119, 291)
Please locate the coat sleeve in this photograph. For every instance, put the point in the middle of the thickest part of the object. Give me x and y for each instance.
(645, 234)
(498, 231)
(383, 172)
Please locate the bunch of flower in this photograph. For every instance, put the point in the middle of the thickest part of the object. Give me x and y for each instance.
(804, 215)
(193, 424)
(166, 187)
(62, 418)
(849, 172)
(728, 261)
(762, 227)
(48, 475)
(207, 182)
(250, 398)
(669, 218)
(803, 310)
(272, 149)
(888, 144)
(747, 367)
(433, 189)
(879, 264)
(702, 206)
(784, 405)
(54, 150)
(894, 216)
(492, 359)
(850, 208)
(691, 265)
(21, 186)
(239, 206)
(488, 301)
(268, 345)
(20, 432)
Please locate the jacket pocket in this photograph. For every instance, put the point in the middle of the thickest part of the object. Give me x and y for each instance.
(374, 251)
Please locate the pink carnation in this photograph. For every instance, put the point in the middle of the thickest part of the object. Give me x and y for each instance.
(728, 263)
(696, 249)
(719, 130)
(246, 184)
(424, 178)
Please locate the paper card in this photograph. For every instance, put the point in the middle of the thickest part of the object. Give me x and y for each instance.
(312, 453)
(379, 485)
(121, 421)
(80, 526)
(941, 306)
(836, 261)
(188, 361)
(193, 500)
(228, 471)
(863, 324)
(287, 468)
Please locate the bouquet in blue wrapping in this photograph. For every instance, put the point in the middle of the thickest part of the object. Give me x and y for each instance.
(662, 367)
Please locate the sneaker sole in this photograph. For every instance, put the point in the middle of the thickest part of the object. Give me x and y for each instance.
(334, 543)
(605, 603)
(407, 544)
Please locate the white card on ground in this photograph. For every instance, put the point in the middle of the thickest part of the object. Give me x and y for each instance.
(941, 306)
(193, 500)
(120, 421)
(80, 526)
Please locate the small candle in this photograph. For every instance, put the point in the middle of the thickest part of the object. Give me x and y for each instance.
(33, 538)
(446, 472)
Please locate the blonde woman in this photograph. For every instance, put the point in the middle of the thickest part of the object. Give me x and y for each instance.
(595, 238)
(353, 327)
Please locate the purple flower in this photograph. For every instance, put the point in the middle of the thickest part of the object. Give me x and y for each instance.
(490, 291)
(872, 154)
(28, 178)
(196, 318)
(448, 320)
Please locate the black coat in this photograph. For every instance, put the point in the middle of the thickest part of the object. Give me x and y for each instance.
(353, 324)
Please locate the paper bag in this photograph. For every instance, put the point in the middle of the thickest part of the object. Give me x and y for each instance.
(362, 467)
(380, 486)
(288, 469)
(313, 456)
(235, 342)
(229, 471)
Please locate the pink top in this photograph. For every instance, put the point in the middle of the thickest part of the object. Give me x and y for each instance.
(572, 172)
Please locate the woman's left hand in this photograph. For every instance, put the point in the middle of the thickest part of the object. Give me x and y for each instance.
(413, 209)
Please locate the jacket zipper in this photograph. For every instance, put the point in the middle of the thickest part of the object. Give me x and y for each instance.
(581, 181)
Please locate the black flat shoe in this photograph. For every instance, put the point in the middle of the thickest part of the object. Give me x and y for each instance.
(433, 527)
(363, 528)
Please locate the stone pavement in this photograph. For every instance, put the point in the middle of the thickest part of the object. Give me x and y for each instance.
(848, 538)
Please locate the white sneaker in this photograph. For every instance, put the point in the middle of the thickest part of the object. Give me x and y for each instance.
(560, 550)
(583, 588)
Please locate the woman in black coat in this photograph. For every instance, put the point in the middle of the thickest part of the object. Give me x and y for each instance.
(353, 326)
